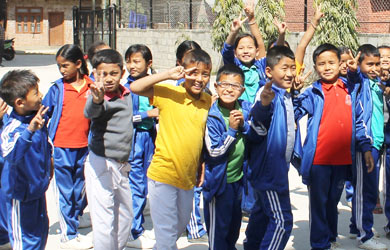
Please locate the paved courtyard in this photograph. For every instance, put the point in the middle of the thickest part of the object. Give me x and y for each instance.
(46, 69)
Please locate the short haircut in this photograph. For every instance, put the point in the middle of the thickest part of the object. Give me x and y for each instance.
(109, 56)
(230, 69)
(95, 48)
(383, 47)
(275, 54)
(367, 50)
(241, 36)
(16, 84)
(323, 48)
(141, 48)
(344, 50)
(184, 47)
(197, 56)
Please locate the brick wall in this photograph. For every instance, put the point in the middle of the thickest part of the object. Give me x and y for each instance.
(373, 15)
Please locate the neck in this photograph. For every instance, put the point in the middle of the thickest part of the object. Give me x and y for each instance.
(330, 82)
(228, 106)
(76, 80)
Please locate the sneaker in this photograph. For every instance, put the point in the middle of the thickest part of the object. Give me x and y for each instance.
(335, 246)
(149, 234)
(378, 209)
(372, 244)
(6, 246)
(204, 238)
(245, 216)
(349, 204)
(80, 242)
(141, 242)
(352, 236)
(84, 222)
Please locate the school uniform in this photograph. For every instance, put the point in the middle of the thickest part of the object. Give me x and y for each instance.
(107, 169)
(386, 178)
(334, 127)
(4, 239)
(68, 128)
(144, 134)
(268, 172)
(366, 184)
(24, 181)
(226, 163)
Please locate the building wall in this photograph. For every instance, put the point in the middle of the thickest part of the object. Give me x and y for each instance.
(373, 15)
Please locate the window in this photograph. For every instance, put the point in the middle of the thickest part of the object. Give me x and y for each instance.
(28, 20)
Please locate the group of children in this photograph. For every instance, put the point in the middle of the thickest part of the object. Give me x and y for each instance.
(98, 140)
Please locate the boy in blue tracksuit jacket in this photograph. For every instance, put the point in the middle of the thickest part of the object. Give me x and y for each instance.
(335, 118)
(27, 160)
(366, 182)
(271, 223)
(227, 130)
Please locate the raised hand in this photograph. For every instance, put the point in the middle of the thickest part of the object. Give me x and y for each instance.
(237, 24)
(267, 95)
(37, 122)
(352, 64)
(300, 79)
(236, 119)
(178, 72)
(3, 108)
(318, 14)
(250, 10)
(97, 88)
(282, 26)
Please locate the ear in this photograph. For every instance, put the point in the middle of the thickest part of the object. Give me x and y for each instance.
(78, 64)
(149, 63)
(268, 72)
(257, 52)
(215, 85)
(242, 90)
(123, 73)
(19, 102)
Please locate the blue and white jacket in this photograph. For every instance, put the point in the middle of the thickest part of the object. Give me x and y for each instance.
(137, 115)
(218, 141)
(268, 167)
(27, 155)
(229, 58)
(311, 103)
(54, 99)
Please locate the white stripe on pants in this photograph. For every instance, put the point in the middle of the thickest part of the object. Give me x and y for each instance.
(109, 200)
(170, 208)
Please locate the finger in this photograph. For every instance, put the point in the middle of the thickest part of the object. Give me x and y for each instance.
(268, 85)
(357, 56)
(306, 75)
(377, 73)
(43, 112)
(243, 21)
(381, 86)
(190, 70)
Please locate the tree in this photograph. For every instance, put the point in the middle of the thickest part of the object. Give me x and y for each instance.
(338, 26)
(227, 10)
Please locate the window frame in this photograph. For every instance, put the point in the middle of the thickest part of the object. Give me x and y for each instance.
(30, 16)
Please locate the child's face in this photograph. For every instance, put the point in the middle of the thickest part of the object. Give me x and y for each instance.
(328, 66)
(370, 66)
(137, 66)
(283, 73)
(197, 79)
(229, 88)
(111, 75)
(246, 50)
(67, 68)
(33, 100)
(343, 64)
(385, 58)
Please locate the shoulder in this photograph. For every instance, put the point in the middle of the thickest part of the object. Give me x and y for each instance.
(167, 88)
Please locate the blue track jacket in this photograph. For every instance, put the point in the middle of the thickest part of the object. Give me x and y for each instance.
(268, 168)
(229, 58)
(218, 141)
(311, 103)
(27, 155)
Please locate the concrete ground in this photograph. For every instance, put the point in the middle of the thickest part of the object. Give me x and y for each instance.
(45, 67)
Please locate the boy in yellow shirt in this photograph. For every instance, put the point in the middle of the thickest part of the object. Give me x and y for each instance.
(173, 170)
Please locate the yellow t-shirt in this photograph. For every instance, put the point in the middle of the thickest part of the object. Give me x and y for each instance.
(179, 141)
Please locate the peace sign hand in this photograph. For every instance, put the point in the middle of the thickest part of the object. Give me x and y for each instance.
(237, 24)
(37, 122)
(352, 64)
(250, 10)
(300, 79)
(282, 26)
(267, 95)
(97, 88)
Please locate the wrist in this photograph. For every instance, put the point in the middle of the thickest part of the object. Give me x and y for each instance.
(97, 101)
(251, 20)
(314, 25)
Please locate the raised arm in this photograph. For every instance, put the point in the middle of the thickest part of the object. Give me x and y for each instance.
(144, 86)
(234, 29)
(254, 28)
(301, 49)
(282, 28)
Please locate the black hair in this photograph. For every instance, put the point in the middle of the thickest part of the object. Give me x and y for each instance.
(323, 48)
(95, 48)
(273, 41)
(275, 54)
(109, 56)
(367, 50)
(384, 47)
(184, 47)
(73, 53)
(141, 48)
(16, 84)
(197, 56)
(230, 69)
(344, 50)
(241, 36)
